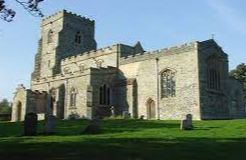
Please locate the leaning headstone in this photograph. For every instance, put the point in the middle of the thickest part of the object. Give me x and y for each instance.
(93, 127)
(186, 124)
(30, 124)
(50, 123)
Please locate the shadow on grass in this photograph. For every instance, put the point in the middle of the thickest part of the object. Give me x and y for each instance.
(205, 128)
(129, 149)
(166, 141)
(75, 127)
(112, 126)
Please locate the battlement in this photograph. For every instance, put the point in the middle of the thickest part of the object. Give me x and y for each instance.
(63, 77)
(90, 54)
(159, 53)
(65, 13)
(50, 79)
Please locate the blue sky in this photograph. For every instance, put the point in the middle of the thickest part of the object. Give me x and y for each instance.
(156, 23)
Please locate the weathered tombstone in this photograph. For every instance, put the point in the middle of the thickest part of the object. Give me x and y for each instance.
(189, 120)
(30, 124)
(112, 111)
(50, 123)
(142, 117)
(93, 127)
(186, 124)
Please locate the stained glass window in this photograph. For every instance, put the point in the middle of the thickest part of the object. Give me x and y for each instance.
(168, 84)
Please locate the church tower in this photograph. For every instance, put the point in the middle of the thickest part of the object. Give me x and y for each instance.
(62, 35)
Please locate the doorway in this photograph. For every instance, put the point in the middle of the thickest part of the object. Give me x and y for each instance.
(151, 111)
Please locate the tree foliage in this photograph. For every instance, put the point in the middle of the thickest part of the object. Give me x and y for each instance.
(5, 107)
(240, 74)
(32, 6)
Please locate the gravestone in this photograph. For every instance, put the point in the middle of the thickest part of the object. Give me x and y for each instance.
(50, 123)
(142, 117)
(186, 124)
(30, 124)
(93, 127)
(189, 120)
(112, 111)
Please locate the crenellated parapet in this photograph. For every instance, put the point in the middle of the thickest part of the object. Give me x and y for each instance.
(89, 55)
(159, 53)
(67, 14)
(69, 75)
(50, 79)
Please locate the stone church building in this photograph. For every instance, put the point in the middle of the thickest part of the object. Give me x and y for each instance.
(72, 77)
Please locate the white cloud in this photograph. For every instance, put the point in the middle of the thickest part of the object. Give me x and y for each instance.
(229, 15)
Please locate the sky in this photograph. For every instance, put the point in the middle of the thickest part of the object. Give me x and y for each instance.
(156, 23)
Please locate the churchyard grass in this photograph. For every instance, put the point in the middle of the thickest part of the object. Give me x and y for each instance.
(128, 140)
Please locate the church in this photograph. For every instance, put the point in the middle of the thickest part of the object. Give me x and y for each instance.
(73, 78)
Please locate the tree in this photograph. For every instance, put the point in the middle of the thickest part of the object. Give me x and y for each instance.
(240, 74)
(5, 107)
(31, 6)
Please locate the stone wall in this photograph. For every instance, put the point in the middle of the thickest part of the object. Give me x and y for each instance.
(103, 57)
(99, 78)
(237, 101)
(214, 103)
(61, 100)
(28, 101)
(58, 34)
(76, 73)
(48, 59)
(19, 104)
(181, 59)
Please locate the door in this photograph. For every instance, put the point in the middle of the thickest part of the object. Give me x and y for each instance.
(151, 112)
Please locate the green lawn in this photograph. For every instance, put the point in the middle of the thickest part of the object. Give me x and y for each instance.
(128, 140)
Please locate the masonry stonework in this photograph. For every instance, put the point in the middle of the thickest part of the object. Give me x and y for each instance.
(73, 78)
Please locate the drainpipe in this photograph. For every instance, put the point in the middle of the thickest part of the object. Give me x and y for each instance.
(66, 99)
(158, 88)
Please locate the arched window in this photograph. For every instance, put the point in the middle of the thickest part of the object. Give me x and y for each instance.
(213, 73)
(78, 38)
(104, 95)
(50, 36)
(73, 95)
(168, 84)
